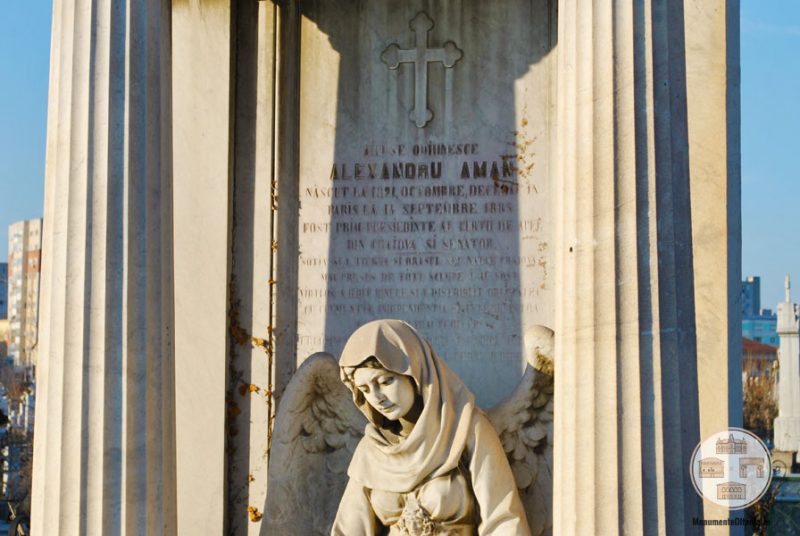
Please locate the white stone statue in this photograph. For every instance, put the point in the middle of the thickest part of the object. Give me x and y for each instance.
(426, 461)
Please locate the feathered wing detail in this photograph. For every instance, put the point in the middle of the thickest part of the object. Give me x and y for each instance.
(316, 430)
(524, 422)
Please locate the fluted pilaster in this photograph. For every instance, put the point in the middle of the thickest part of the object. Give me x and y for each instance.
(627, 401)
(104, 438)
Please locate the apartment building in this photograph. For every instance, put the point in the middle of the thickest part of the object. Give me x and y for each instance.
(24, 270)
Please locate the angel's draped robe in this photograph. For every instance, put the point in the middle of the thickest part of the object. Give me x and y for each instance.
(479, 497)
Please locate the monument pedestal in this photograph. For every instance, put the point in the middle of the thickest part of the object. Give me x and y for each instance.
(787, 423)
(787, 433)
(783, 460)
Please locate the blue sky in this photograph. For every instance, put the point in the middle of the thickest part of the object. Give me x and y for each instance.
(24, 70)
(770, 131)
(771, 145)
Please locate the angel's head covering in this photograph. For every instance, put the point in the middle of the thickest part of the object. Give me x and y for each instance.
(434, 446)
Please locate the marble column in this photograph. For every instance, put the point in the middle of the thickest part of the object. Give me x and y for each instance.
(203, 90)
(629, 389)
(104, 439)
(787, 423)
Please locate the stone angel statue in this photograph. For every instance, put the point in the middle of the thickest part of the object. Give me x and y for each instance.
(414, 455)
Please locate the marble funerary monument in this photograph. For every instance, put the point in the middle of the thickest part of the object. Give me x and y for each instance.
(233, 186)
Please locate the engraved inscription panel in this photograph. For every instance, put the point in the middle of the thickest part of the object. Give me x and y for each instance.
(446, 227)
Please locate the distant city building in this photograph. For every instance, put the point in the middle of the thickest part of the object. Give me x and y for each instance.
(3, 290)
(758, 359)
(24, 269)
(22, 410)
(3, 338)
(758, 324)
(762, 328)
(751, 296)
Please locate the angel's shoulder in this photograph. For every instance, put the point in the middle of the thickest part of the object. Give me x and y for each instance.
(480, 422)
(481, 432)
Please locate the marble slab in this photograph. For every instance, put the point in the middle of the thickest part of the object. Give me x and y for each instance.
(424, 178)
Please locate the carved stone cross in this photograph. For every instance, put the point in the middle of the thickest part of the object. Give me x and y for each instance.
(421, 56)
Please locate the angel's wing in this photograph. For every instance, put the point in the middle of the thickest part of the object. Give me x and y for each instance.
(316, 431)
(524, 422)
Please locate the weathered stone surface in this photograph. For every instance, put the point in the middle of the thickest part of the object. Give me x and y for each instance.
(612, 213)
(640, 238)
(425, 180)
(201, 33)
(104, 452)
(787, 423)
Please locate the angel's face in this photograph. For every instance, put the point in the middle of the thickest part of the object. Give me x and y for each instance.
(392, 395)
